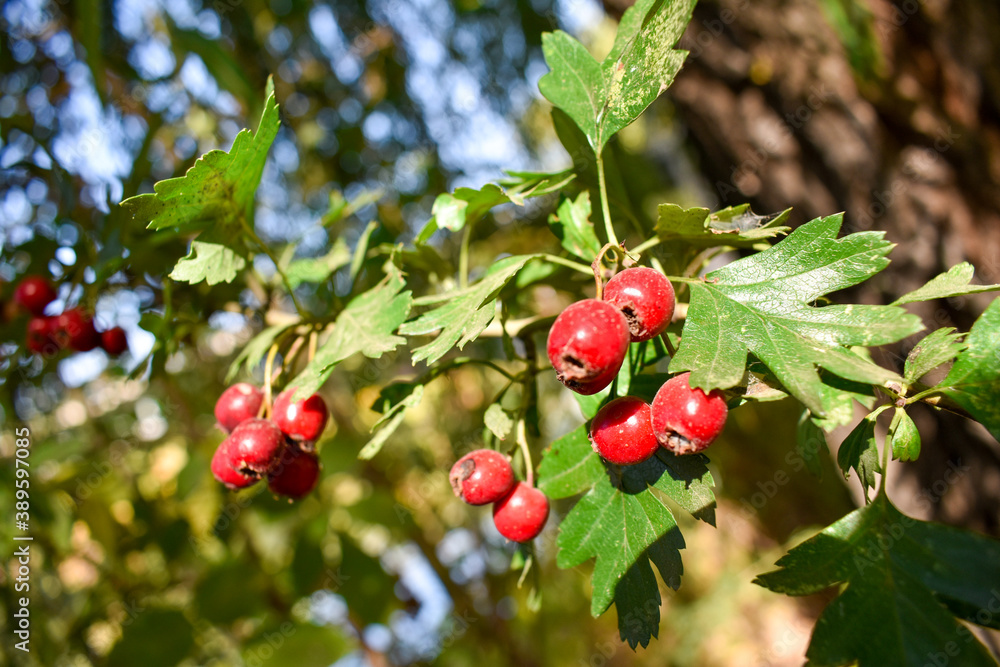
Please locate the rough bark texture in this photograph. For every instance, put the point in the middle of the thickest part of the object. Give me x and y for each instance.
(781, 113)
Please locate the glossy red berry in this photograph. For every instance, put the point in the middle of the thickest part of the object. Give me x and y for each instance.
(481, 477)
(295, 475)
(224, 468)
(622, 432)
(587, 345)
(302, 421)
(686, 420)
(75, 329)
(645, 297)
(256, 446)
(521, 514)
(41, 336)
(237, 404)
(114, 341)
(34, 293)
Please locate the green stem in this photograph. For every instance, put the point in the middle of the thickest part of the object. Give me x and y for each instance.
(605, 208)
(576, 266)
(463, 258)
(522, 442)
(277, 267)
(646, 245)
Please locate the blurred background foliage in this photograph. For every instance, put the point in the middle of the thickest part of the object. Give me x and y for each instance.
(141, 558)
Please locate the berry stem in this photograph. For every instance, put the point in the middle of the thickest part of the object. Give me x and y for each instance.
(313, 340)
(268, 370)
(646, 245)
(576, 266)
(605, 208)
(522, 442)
(463, 257)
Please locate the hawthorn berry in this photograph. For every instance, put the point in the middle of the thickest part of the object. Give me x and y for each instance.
(237, 404)
(481, 477)
(622, 431)
(295, 475)
(114, 341)
(256, 446)
(686, 420)
(224, 468)
(521, 514)
(646, 299)
(587, 345)
(302, 421)
(75, 329)
(33, 294)
(41, 335)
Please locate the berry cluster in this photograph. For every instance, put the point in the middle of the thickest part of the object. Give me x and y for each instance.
(281, 448)
(587, 347)
(73, 328)
(485, 476)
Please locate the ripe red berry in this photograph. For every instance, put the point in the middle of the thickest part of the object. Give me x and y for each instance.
(75, 329)
(114, 341)
(224, 468)
(522, 514)
(622, 432)
(41, 336)
(237, 404)
(256, 445)
(33, 293)
(302, 421)
(645, 297)
(481, 477)
(295, 475)
(685, 420)
(587, 345)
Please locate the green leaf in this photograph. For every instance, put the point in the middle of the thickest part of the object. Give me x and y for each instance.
(643, 62)
(498, 421)
(318, 269)
(860, 451)
(904, 437)
(571, 223)
(467, 313)
(212, 262)
(361, 249)
(762, 305)
(390, 421)
(154, 637)
(906, 581)
(810, 443)
(935, 349)
(625, 524)
(254, 351)
(366, 325)
(954, 282)
(974, 380)
(569, 466)
(575, 82)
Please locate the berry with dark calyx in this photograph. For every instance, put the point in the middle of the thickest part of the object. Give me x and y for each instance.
(75, 329)
(587, 345)
(482, 477)
(33, 294)
(645, 297)
(41, 338)
(114, 341)
(224, 468)
(686, 420)
(521, 515)
(237, 404)
(622, 432)
(295, 475)
(256, 446)
(302, 421)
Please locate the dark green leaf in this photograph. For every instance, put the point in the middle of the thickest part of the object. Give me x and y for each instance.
(935, 349)
(904, 436)
(389, 422)
(569, 466)
(810, 443)
(954, 282)
(974, 380)
(860, 451)
(153, 638)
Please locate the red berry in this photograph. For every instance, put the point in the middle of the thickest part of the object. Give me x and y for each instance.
(302, 421)
(587, 345)
(256, 445)
(237, 404)
(622, 433)
(522, 514)
(114, 341)
(645, 297)
(685, 420)
(481, 477)
(224, 468)
(41, 336)
(33, 293)
(295, 475)
(75, 329)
